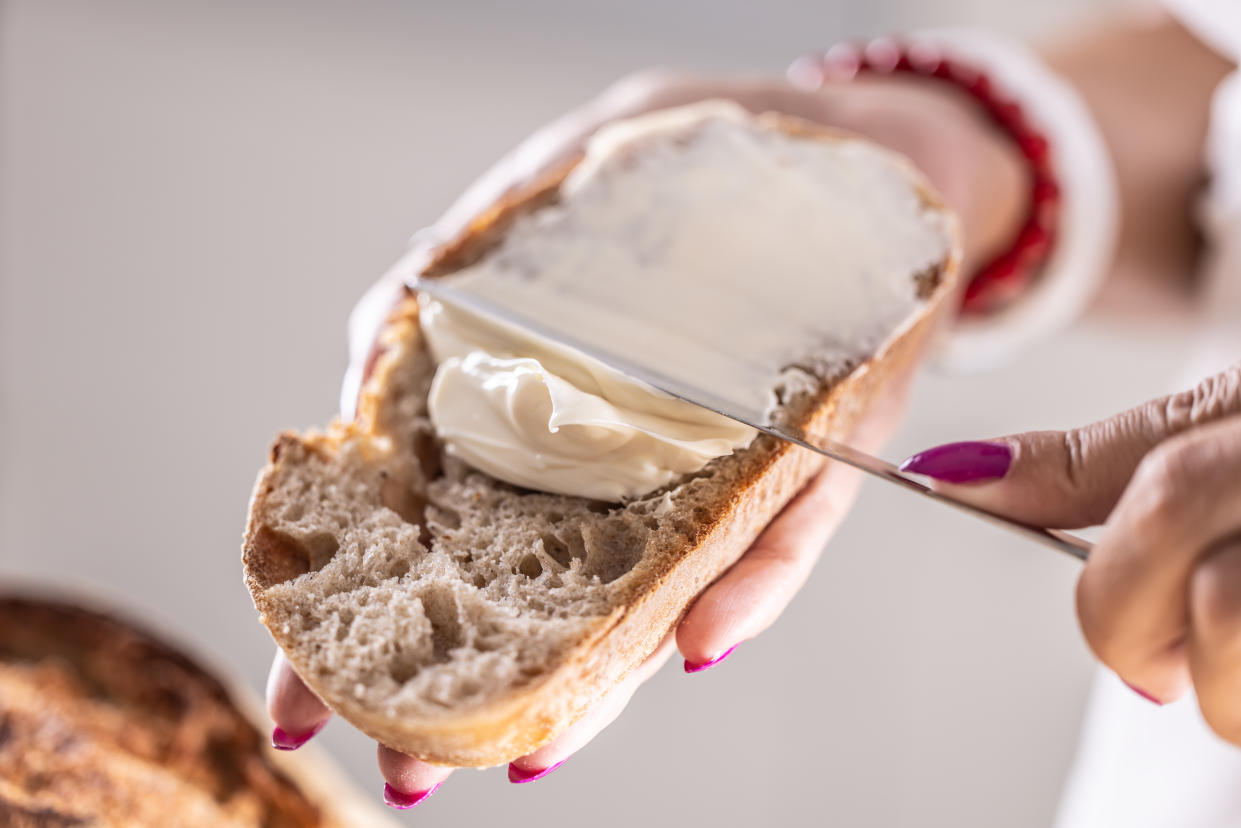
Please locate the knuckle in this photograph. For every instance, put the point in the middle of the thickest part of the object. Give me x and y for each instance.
(1176, 412)
(1070, 471)
(1074, 447)
(1215, 397)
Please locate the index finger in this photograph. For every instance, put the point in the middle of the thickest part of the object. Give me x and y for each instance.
(1074, 478)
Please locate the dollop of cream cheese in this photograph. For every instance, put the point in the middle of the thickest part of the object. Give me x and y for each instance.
(537, 414)
(726, 252)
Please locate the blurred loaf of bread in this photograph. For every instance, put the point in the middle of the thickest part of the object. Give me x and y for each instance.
(103, 724)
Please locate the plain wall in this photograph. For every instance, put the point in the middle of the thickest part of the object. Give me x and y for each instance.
(193, 194)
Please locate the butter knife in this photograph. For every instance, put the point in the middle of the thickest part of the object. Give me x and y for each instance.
(739, 410)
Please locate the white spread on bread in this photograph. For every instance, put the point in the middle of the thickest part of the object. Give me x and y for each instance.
(537, 414)
(696, 221)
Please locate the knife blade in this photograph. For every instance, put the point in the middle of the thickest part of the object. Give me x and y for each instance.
(682, 389)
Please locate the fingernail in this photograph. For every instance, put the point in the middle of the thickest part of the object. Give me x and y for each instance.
(401, 800)
(970, 462)
(806, 72)
(690, 667)
(1144, 694)
(281, 739)
(518, 776)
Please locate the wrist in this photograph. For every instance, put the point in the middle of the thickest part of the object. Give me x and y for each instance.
(1078, 204)
(987, 180)
(979, 173)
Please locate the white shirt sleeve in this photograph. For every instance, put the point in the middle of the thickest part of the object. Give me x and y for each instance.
(1216, 22)
(1086, 226)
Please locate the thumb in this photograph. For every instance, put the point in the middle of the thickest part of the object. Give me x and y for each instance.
(1069, 479)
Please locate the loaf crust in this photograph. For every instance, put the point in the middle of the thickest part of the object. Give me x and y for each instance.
(103, 724)
(713, 526)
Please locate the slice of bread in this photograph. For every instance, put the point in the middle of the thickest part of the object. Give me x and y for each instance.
(467, 622)
(103, 724)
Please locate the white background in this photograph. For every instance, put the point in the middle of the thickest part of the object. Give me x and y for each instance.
(192, 196)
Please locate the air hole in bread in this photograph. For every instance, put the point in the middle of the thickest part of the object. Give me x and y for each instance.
(444, 517)
(399, 496)
(556, 549)
(403, 667)
(530, 566)
(613, 550)
(322, 547)
(276, 558)
(428, 451)
(439, 605)
(397, 568)
(564, 544)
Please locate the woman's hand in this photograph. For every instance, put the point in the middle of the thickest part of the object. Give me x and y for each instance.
(1160, 598)
(741, 604)
(935, 130)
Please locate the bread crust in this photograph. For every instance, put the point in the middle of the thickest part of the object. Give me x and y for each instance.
(103, 724)
(531, 716)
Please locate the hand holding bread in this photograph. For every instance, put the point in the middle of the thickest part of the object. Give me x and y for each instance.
(738, 593)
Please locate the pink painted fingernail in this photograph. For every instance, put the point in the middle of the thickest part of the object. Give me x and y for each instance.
(519, 777)
(1144, 694)
(806, 72)
(281, 739)
(401, 800)
(970, 462)
(698, 668)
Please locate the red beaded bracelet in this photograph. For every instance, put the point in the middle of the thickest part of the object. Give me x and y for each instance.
(1007, 275)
